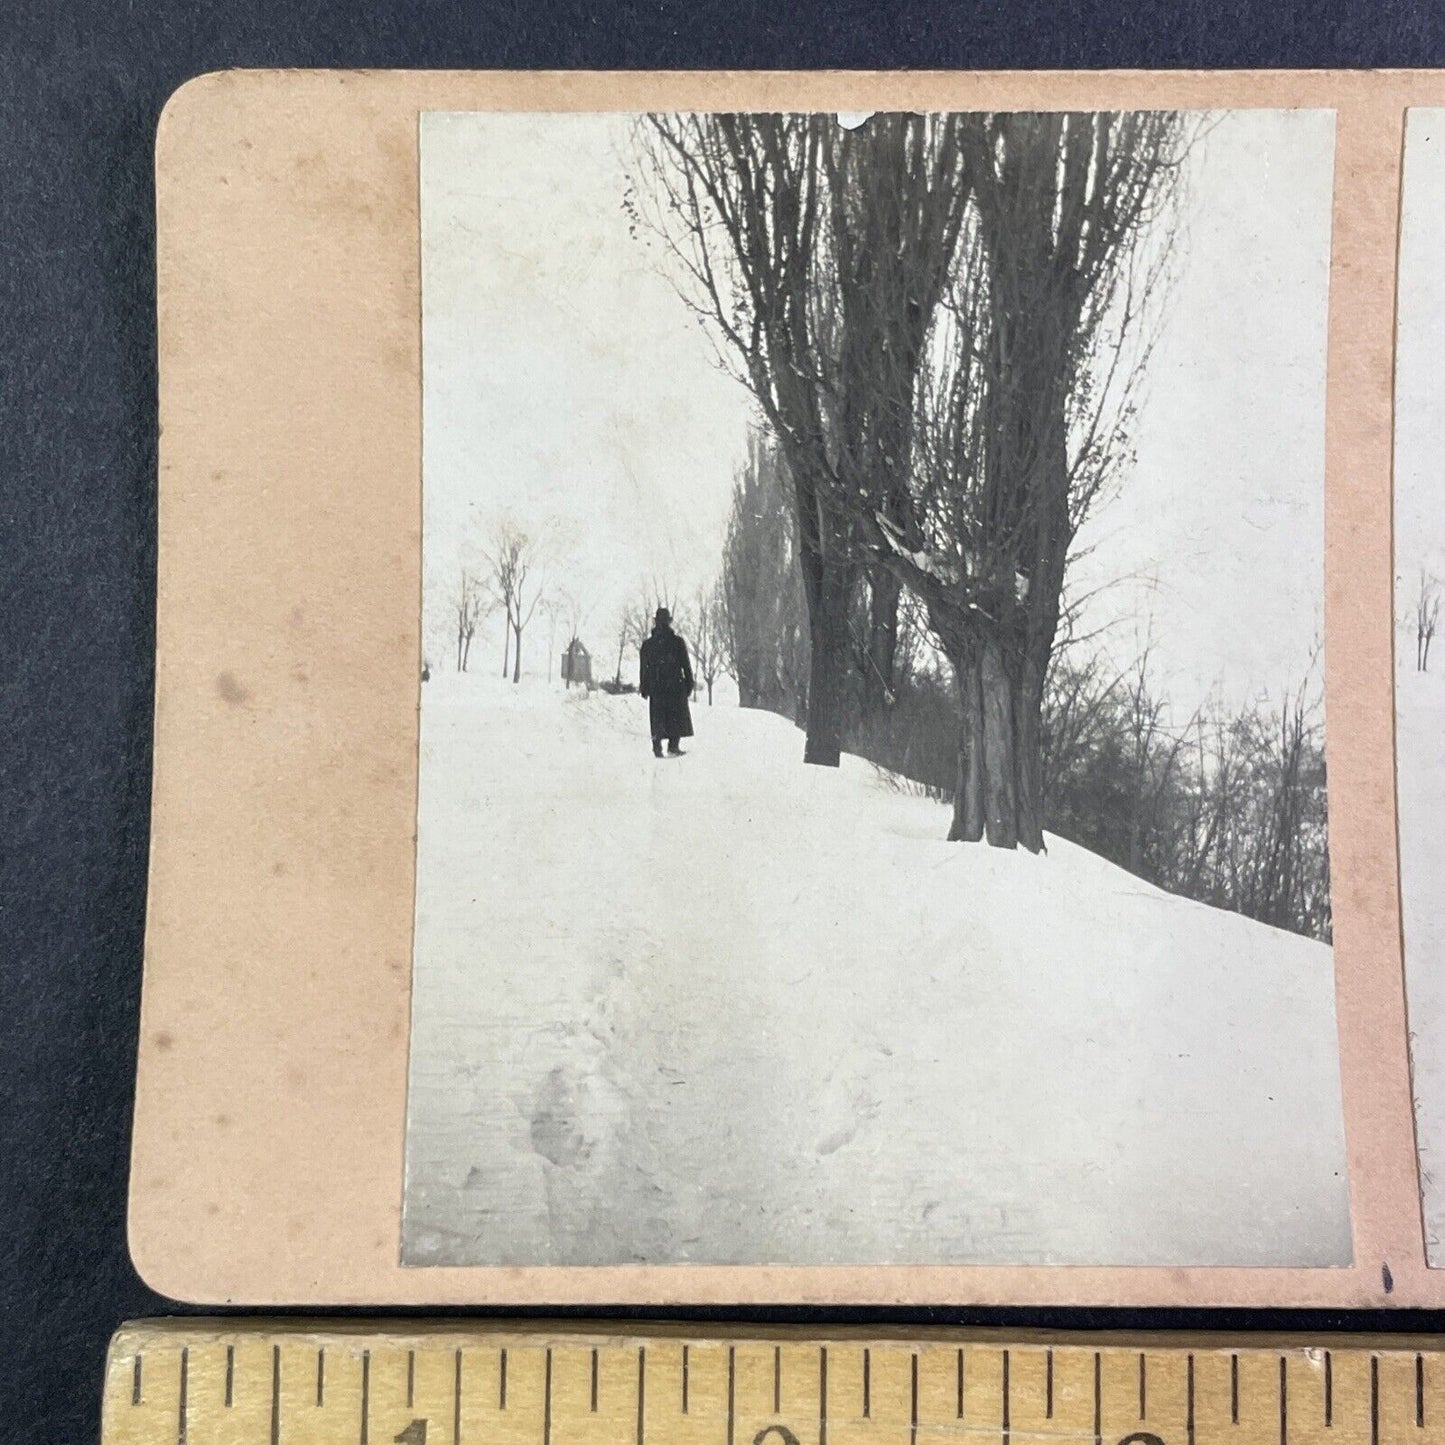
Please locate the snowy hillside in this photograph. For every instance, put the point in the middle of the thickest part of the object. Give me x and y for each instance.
(1420, 745)
(731, 1009)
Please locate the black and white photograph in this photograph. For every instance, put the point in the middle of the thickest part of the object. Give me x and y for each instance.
(1419, 659)
(872, 800)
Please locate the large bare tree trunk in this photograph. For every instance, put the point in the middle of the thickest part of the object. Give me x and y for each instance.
(1029, 767)
(830, 578)
(1000, 748)
(968, 818)
(984, 516)
(896, 200)
(997, 793)
(1040, 627)
(829, 592)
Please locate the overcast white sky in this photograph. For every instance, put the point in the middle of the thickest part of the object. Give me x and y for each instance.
(565, 384)
(1420, 363)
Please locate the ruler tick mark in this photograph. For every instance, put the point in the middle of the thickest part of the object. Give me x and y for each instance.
(1329, 1389)
(275, 1395)
(1283, 1401)
(1234, 1389)
(1419, 1392)
(777, 1379)
(230, 1372)
(823, 1396)
(732, 1384)
(594, 1382)
(1374, 1400)
(502, 1381)
(320, 1378)
(1098, 1400)
(913, 1403)
(1004, 1422)
(684, 1378)
(641, 1391)
(185, 1382)
(457, 1400)
(1143, 1388)
(410, 1378)
(135, 1382)
(1048, 1385)
(547, 1402)
(365, 1395)
(1189, 1401)
(867, 1383)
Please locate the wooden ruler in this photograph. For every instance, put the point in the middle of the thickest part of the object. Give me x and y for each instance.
(258, 1383)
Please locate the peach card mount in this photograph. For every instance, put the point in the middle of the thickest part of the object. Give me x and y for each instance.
(782, 688)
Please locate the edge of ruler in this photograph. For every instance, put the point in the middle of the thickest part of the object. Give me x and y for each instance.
(168, 1331)
(375, 1381)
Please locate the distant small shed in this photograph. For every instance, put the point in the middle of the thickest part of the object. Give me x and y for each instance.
(576, 664)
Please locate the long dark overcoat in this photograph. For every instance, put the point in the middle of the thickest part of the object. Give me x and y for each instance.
(667, 683)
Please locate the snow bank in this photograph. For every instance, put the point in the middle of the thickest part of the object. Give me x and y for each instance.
(731, 1009)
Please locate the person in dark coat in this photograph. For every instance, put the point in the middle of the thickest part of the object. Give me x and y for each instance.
(666, 683)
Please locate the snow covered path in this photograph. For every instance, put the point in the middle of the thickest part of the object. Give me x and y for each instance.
(731, 1009)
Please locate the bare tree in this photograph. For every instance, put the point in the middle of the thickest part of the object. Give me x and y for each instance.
(780, 225)
(624, 633)
(504, 558)
(1077, 707)
(1024, 419)
(513, 560)
(898, 194)
(939, 319)
(633, 622)
(526, 605)
(1275, 884)
(765, 623)
(1153, 760)
(468, 608)
(1229, 809)
(1427, 615)
(709, 648)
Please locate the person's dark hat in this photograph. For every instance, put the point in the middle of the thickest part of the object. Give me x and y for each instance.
(663, 615)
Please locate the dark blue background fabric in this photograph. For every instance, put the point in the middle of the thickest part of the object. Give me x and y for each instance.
(83, 84)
